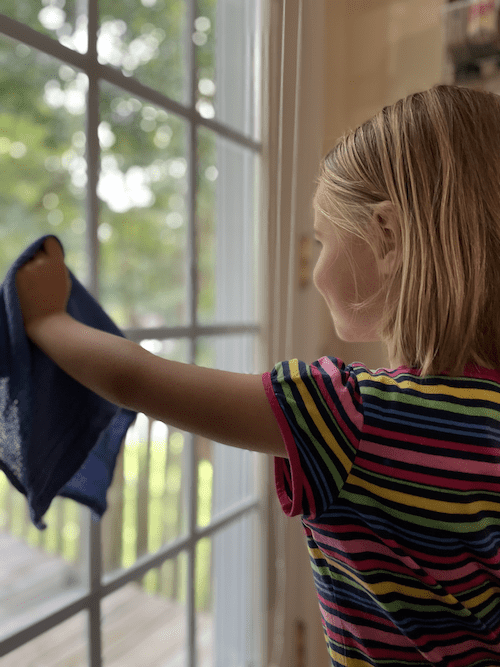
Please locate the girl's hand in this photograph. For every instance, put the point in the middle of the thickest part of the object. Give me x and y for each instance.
(43, 284)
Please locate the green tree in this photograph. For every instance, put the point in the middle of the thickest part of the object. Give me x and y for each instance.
(144, 150)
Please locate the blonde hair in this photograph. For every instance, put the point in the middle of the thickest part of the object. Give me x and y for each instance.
(435, 156)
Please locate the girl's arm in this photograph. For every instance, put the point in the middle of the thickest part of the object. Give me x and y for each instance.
(231, 408)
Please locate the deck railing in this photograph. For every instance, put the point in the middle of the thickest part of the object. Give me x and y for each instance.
(145, 511)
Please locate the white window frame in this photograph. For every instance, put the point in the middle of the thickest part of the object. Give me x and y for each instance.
(100, 586)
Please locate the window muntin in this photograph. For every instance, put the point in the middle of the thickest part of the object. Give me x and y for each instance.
(52, 94)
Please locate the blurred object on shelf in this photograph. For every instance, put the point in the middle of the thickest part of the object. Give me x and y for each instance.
(472, 38)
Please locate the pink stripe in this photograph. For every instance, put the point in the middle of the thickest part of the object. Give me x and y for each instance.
(391, 544)
(419, 555)
(468, 585)
(454, 446)
(397, 639)
(432, 577)
(368, 632)
(343, 395)
(356, 613)
(456, 464)
(347, 547)
(448, 578)
(344, 528)
(368, 564)
(353, 546)
(421, 478)
(439, 653)
(392, 372)
(470, 370)
(377, 635)
(479, 655)
(375, 653)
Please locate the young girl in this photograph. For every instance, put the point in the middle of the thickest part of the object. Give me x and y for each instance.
(394, 471)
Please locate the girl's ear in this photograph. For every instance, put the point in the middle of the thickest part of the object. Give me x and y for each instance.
(385, 218)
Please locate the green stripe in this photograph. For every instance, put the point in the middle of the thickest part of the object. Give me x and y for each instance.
(364, 656)
(394, 605)
(443, 404)
(458, 527)
(418, 485)
(482, 613)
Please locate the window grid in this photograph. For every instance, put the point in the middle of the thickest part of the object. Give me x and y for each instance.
(100, 586)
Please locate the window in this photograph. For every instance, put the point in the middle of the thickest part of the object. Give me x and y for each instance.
(132, 131)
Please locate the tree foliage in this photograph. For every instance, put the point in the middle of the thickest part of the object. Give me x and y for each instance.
(143, 182)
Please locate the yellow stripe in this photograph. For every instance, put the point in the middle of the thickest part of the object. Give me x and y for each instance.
(313, 412)
(479, 599)
(384, 587)
(457, 392)
(436, 506)
(348, 662)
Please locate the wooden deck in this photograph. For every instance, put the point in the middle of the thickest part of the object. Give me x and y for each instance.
(137, 628)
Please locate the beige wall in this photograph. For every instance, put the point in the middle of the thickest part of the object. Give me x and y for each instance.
(375, 52)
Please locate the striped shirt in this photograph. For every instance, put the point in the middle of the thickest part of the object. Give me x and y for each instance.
(397, 479)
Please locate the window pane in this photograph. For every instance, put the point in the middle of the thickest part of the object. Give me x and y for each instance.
(227, 38)
(64, 21)
(228, 230)
(147, 40)
(65, 644)
(145, 624)
(143, 231)
(41, 571)
(148, 499)
(225, 596)
(226, 474)
(42, 154)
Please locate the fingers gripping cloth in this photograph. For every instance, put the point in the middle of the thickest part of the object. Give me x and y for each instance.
(57, 438)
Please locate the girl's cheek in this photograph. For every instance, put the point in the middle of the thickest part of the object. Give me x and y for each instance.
(317, 275)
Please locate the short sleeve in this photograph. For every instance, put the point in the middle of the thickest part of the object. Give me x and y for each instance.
(320, 414)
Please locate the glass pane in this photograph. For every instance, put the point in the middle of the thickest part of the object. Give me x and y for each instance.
(228, 218)
(227, 36)
(143, 231)
(42, 160)
(63, 20)
(145, 624)
(147, 40)
(226, 475)
(225, 596)
(147, 501)
(65, 644)
(205, 472)
(42, 154)
(41, 570)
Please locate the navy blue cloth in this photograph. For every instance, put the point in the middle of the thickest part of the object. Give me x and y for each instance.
(57, 438)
